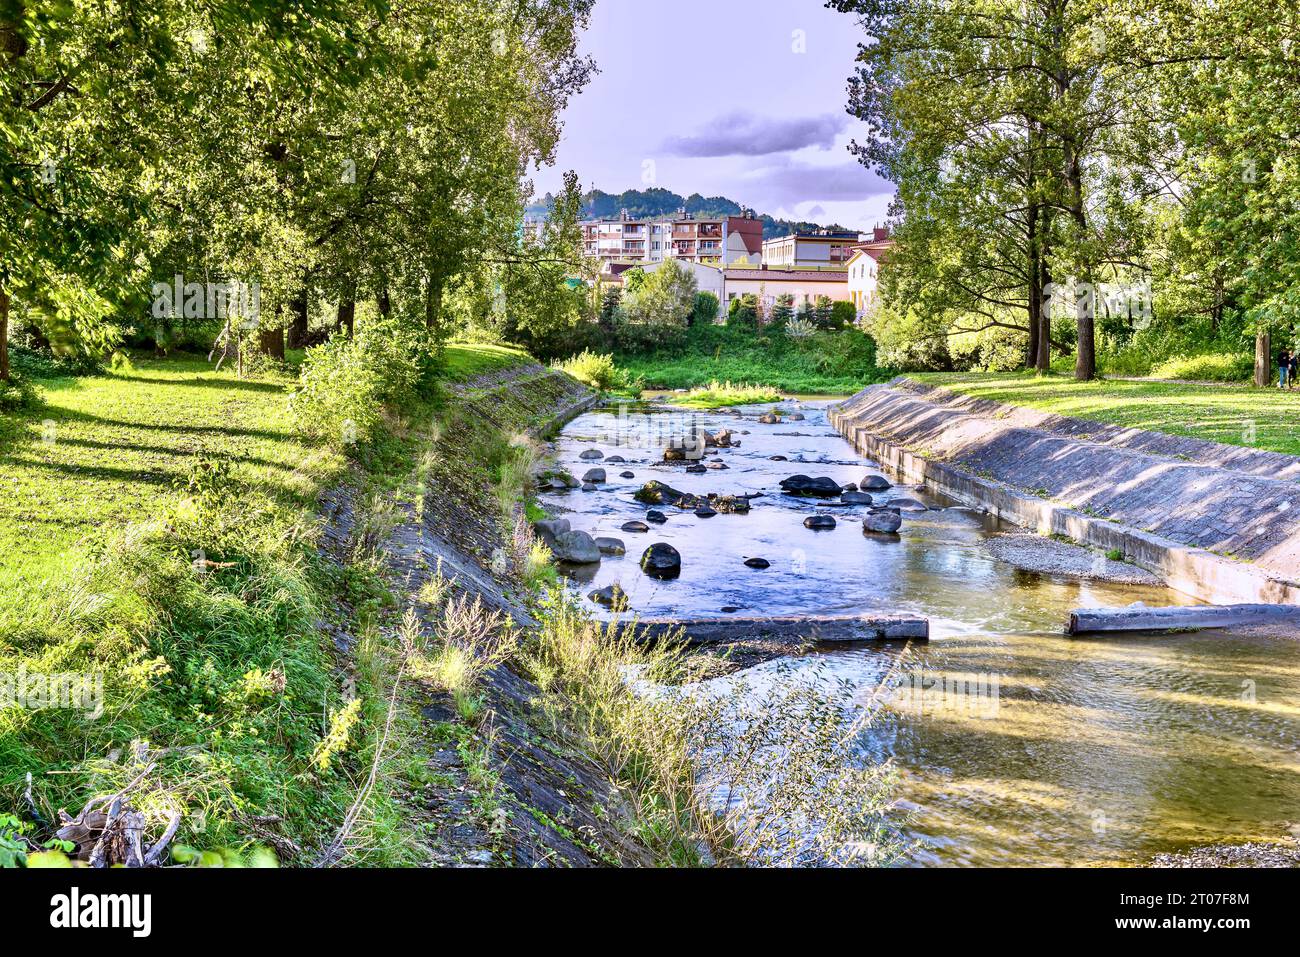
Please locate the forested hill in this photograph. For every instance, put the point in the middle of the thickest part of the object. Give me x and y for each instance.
(642, 204)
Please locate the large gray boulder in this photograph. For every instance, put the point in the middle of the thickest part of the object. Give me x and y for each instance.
(855, 498)
(874, 483)
(595, 476)
(611, 546)
(885, 522)
(576, 548)
(551, 529)
(822, 487)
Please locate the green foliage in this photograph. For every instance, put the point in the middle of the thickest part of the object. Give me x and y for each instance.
(597, 371)
(717, 394)
(1214, 367)
(828, 362)
(743, 311)
(345, 383)
(658, 309)
(706, 308)
(843, 314)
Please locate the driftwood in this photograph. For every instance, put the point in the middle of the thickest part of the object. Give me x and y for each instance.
(109, 831)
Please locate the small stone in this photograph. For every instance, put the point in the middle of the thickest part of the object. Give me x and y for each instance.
(636, 528)
(795, 416)
(592, 455)
(717, 466)
(855, 498)
(758, 563)
(819, 522)
(594, 476)
(777, 458)
(705, 512)
(611, 546)
(611, 596)
(627, 475)
(656, 517)
(907, 504)
(695, 470)
(874, 483)
(769, 419)
(590, 487)
(615, 460)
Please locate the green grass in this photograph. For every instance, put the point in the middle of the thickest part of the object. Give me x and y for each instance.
(829, 363)
(1234, 415)
(111, 488)
(467, 360)
(717, 394)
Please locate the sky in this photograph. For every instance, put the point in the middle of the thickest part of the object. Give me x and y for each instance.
(737, 98)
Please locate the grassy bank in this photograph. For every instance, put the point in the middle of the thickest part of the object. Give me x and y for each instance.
(159, 540)
(825, 363)
(1234, 415)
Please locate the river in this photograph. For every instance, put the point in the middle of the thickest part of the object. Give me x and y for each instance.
(1077, 752)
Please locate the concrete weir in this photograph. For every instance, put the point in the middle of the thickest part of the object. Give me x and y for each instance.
(1091, 621)
(1174, 507)
(829, 628)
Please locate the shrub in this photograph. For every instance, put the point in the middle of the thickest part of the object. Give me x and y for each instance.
(345, 383)
(706, 308)
(597, 371)
(843, 313)
(1213, 367)
(658, 310)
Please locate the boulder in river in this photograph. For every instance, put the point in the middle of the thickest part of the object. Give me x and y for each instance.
(551, 529)
(674, 455)
(611, 546)
(592, 455)
(615, 460)
(874, 483)
(695, 470)
(777, 458)
(636, 528)
(655, 516)
(771, 418)
(576, 548)
(906, 503)
(657, 493)
(627, 475)
(594, 476)
(795, 416)
(822, 487)
(705, 512)
(590, 487)
(855, 498)
(884, 521)
(611, 596)
(717, 440)
(716, 466)
(661, 561)
(819, 522)
(758, 563)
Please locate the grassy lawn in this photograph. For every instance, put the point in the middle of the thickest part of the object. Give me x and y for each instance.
(717, 394)
(158, 530)
(1234, 415)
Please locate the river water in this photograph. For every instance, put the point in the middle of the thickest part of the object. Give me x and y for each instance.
(1016, 745)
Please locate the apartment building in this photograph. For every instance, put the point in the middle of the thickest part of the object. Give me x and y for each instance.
(724, 240)
(818, 249)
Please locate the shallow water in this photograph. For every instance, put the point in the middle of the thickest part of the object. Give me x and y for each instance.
(1051, 751)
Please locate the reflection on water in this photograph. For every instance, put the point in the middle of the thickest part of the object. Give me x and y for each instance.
(1102, 751)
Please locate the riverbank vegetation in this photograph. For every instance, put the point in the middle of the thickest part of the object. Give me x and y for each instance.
(1103, 190)
(1234, 415)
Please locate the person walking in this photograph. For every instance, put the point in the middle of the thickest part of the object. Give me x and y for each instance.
(1294, 370)
(1283, 367)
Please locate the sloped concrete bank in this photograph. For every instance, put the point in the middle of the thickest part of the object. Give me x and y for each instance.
(504, 787)
(1213, 521)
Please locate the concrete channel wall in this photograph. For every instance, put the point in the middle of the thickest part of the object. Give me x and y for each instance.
(1159, 511)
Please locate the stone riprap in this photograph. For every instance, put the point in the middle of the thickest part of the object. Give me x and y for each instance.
(1172, 504)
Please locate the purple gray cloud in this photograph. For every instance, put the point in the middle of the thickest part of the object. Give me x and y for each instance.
(744, 134)
(792, 181)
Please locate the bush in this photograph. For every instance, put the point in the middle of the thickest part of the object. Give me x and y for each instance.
(597, 371)
(345, 383)
(1214, 367)
(843, 314)
(657, 310)
(706, 309)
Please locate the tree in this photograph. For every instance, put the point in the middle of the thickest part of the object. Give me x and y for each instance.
(658, 311)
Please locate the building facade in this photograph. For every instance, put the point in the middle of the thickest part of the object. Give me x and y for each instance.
(719, 241)
(820, 249)
(864, 270)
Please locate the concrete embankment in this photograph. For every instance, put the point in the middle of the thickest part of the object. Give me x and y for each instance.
(1214, 521)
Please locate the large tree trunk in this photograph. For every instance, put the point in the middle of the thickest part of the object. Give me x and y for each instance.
(298, 324)
(1035, 293)
(1043, 361)
(347, 318)
(433, 305)
(271, 342)
(1263, 359)
(1085, 367)
(4, 336)
(384, 302)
